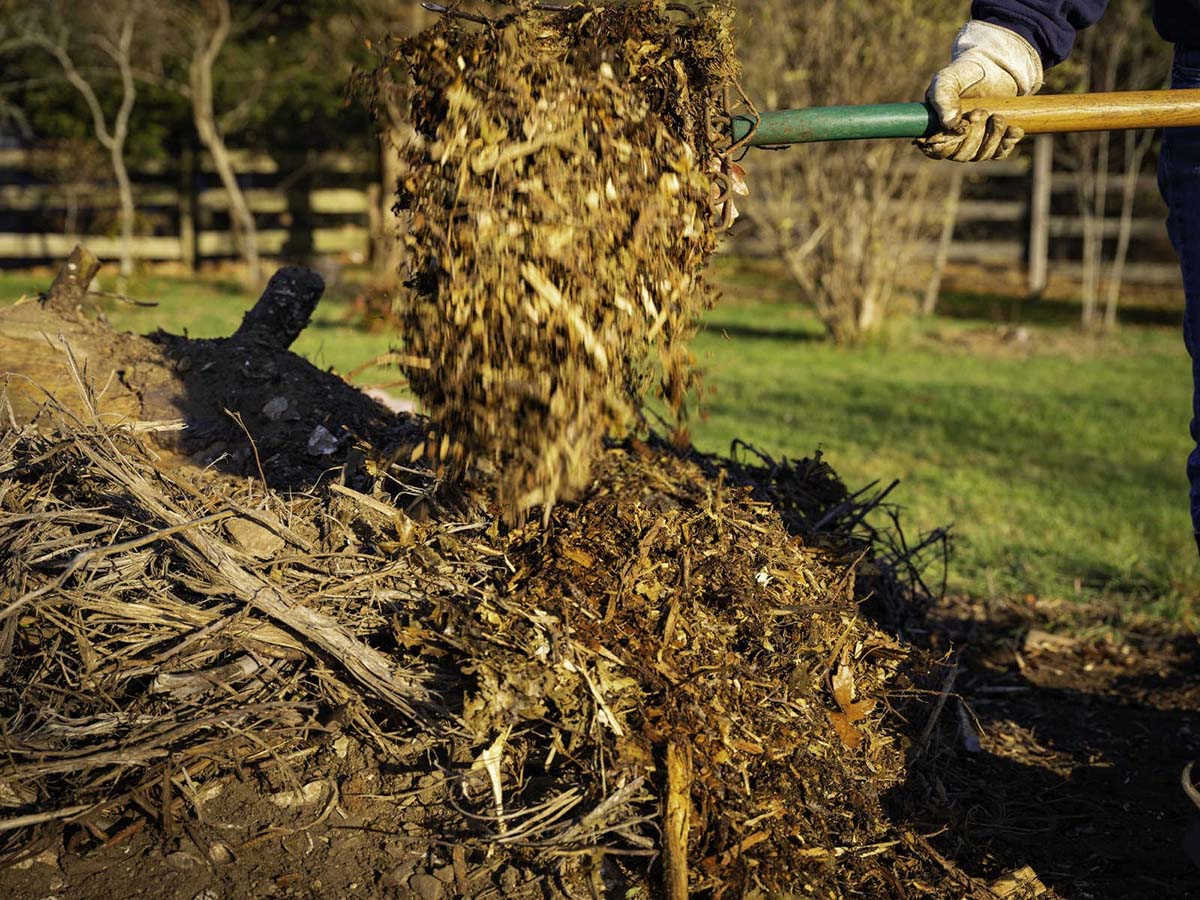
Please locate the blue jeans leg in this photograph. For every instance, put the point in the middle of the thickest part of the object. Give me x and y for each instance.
(1179, 181)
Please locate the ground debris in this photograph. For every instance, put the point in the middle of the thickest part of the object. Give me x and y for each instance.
(563, 178)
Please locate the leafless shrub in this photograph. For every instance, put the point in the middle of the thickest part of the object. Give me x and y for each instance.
(1122, 52)
(843, 218)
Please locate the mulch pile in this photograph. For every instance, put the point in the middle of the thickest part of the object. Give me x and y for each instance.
(564, 175)
(689, 629)
(666, 681)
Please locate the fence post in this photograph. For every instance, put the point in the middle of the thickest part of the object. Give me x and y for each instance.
(1039, 213)
(187, 207)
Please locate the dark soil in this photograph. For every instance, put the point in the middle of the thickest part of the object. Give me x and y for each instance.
(1083, 742)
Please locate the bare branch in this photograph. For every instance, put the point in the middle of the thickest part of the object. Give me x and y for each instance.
(237, 117)
(60, 52)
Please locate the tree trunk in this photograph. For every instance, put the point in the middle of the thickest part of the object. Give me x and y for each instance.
(70, 285)
(391, 228)
(188, 203)
(1135, 153)
(200, 77)
(949, 219)
(241, 219)
(1093, 196)
(125, 190)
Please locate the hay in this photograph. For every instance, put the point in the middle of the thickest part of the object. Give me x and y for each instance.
(563, 174)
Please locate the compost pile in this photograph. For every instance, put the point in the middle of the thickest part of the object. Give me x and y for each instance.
(666, 681)
(692, 628)
(563, 177)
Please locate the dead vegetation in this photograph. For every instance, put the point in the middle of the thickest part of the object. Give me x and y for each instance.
(563, 174)
(683, 646)
(162, 624)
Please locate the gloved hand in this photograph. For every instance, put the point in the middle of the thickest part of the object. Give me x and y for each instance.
(986, 61)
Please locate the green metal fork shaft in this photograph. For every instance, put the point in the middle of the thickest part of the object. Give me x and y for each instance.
(838, 123)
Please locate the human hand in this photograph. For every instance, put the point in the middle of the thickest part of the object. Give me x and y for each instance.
(987, 61)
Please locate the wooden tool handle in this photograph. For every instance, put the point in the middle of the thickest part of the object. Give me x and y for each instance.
(1044, 114)
(1054, 113)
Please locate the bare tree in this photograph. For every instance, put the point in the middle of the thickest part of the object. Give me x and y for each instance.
(844, 219)
(1122, 52)
(191, 36)
(1137, 145)
(95, 42)
(933, 287)
(198, 32)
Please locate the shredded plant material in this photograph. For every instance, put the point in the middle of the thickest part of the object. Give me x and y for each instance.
(563, 177)
(161, 621)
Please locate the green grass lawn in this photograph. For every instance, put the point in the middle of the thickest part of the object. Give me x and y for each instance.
(1058, 461)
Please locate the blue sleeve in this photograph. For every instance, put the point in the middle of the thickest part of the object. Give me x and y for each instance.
(1050, 25)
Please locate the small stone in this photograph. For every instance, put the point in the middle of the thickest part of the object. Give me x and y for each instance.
(253, 538)
(321, 442)
(275, 408)
(183, 861)
(426, 886)
(220, 854)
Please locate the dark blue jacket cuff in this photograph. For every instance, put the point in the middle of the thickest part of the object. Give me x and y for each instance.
(1049, 25)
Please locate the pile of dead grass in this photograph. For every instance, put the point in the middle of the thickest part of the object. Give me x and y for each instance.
(662, 654)
(564, 173)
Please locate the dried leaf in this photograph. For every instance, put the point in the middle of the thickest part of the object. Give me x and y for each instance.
(849, 710)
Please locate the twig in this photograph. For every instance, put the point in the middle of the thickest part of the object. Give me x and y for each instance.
(943, 695)
(237, 417)
(677, 819)
(39, 818)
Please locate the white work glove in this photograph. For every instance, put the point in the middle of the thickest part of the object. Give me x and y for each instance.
(986, 61)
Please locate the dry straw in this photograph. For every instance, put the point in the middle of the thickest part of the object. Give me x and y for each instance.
(667, 650)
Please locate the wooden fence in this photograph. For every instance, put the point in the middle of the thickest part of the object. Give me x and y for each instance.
(320, 206)
(1016, 213)
(1022, 213)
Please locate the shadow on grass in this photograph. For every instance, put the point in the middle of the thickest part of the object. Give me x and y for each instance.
(1043, 311)
(797, 333)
